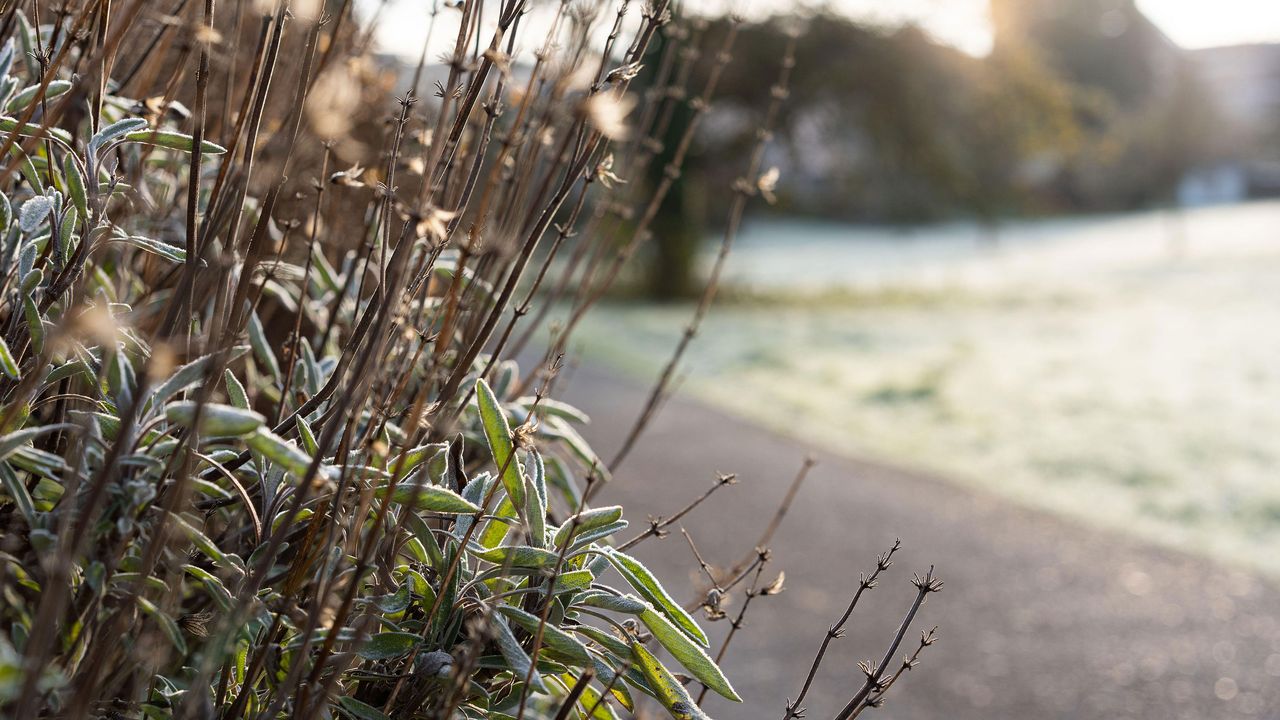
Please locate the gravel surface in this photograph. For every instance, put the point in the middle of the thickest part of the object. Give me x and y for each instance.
(1039, 618)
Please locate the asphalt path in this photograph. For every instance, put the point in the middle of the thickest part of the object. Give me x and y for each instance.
(1039, 617)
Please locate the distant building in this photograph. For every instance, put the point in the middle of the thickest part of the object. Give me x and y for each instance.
(1243, 82)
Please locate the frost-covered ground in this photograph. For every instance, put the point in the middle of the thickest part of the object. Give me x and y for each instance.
(1123, 370)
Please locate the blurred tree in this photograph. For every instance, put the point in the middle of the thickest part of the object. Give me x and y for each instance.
(1080, 106)
(680, 223)
(681, 220)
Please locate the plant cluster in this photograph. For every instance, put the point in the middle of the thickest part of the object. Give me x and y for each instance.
(265, 451)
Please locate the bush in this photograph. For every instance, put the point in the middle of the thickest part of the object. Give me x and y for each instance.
(264, 451)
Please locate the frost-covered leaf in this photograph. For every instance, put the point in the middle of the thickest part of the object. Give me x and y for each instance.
(586, 521)
(11, 442)
(536, 503)
(280, 451)
(215, 420)
(514, 654)
(359, 710)
(262, 351)
(115, 131)
(675, 698)
(7, 364)
(429, 498)
(173, 141)
(614, 603)
(155, 247)
(498, 432)
(518, 556)
(690, 655)
(189, 375)
(18, 492)
(75, 185)
(55, 88)
(552, 636)
(11, 125)
(650, 589)
(34, 212)
(167, 624)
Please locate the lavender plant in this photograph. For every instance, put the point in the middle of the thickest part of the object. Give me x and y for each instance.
(264, 448)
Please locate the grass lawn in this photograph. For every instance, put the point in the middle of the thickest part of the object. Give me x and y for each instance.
(1139, 391)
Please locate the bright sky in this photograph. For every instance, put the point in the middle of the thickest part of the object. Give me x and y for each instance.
(962, 23)
(1189, 23)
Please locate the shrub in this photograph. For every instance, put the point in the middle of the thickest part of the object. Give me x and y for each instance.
(264, 450)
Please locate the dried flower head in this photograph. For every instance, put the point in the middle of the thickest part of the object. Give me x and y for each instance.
(349, 177)
(608, 112)
(333, 101)
(605, 174)
(767, 183)
(774, 587)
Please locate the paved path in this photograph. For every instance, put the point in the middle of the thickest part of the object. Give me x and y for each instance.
(1040, 618)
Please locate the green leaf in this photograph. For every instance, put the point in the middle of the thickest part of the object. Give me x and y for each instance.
(14, 488)
(216, 589)
(692, 657)
(67, 233)
(423, 533)
(35, 324)
(588, 520)
(32, 280)
(608, 676)
(673, 695)
(430, 498)
(7, 53)
(29, 171)
(388, 645)
(359, 710)
(518, 556)
(7, 364)
(173, 141)
(187, 376)
(307, 436)
(15, 440)
(591, 701)
(650, 589)
(203, 543)
(498, 432)
(235, 390)
(555, 408)
(536, 509)
(262, 347)
(556, 427)
(552, 636)
(498, 527)
(75, 185)
(216, 420)
(167, 625)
